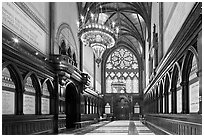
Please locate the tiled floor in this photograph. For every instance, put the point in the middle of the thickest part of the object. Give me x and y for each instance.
(142, 129)
(121, 127)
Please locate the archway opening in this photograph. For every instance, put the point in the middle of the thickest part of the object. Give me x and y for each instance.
(121, 109)
(72, 105)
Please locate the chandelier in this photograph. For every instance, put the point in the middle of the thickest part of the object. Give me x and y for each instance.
(99, 36)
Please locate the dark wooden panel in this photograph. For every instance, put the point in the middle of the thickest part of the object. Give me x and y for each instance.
(85, 117)
(177, 124)
(27, 124)
(61, 122)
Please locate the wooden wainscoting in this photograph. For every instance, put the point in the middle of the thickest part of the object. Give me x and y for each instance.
(27, 124)
(180, 124)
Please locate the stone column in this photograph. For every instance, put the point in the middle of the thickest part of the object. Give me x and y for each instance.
(185, 97)
(56, 98)
(173, 100)
(38, 103)
(81, 55)
(166, 102)
(161, 104)
(52, 26)
(160, 43)
(157, 101)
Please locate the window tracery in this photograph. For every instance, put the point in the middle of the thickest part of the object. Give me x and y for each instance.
(122, 72)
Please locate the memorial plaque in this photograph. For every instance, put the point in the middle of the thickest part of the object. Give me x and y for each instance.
(8, 102)
(179, 101)
(45, 108)
(28, 104)
(194, 97)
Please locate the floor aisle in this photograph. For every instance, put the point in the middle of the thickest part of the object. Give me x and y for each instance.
(121, 127)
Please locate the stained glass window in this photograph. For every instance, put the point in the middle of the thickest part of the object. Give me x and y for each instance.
(122, 72)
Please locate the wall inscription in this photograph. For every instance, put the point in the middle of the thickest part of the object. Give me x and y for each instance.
(8, 99)
(194, 97)
(28, 104)
(45, 106)
(179, 101)
(20, 23)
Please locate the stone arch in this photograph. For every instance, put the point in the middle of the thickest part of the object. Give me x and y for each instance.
(187, 62)
(50, 84)
(176, 75)
(35, 79)
(186, 70)
(15, 74)
(59, 38)
(167, 93)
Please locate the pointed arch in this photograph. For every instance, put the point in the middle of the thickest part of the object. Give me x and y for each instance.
(15, 75)
(35, 79)
(62, 27)
(186, 65)
(176, 74)
(50, 84)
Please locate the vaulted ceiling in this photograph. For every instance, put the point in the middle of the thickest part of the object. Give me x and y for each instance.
(133, 18)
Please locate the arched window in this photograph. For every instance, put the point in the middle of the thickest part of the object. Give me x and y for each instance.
(122, 72)
(8, 93)
(29, 97)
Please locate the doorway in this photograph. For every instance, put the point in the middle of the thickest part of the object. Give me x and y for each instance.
(122, 109)
(72, 105)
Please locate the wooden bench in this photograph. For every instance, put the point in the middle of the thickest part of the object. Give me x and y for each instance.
(84, 123)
